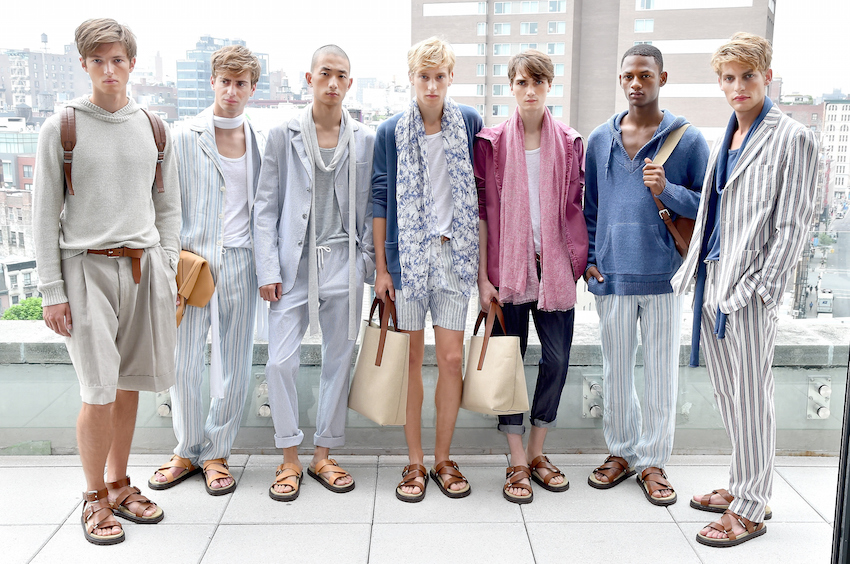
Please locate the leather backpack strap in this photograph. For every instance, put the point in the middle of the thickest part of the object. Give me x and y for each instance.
(68, 136)
(159, 138)
(660, 158)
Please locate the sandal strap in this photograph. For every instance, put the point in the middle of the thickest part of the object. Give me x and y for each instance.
(552, 471)
(287, 475)
(706, 499)
(449, 467)
(330, 465)
(177, 462)
(97, 512)
(409, 475)
(514, 474)
(216, 469)
(658, 481)
(613, 467)
(128, 494)
(746, 523)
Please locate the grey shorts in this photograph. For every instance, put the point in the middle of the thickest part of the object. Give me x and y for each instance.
(123, 334)
(447, 305)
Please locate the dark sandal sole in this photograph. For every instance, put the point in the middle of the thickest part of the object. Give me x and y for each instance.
(655, 500)
(624, 476)
(328, 485)
(557, 489)
(450, 493)
(518, 500)
(416, 498)
(182, 477)
(726, 543)
(102, 542)
(291, 496)
(768, 515)
(130, 516)
(221, 491)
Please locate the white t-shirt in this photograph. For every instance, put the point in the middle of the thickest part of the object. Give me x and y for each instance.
(532, 166)
(237, 220)
(441, 186)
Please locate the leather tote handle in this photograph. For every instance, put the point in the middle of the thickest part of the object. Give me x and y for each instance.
(495, 311)
(387, 312)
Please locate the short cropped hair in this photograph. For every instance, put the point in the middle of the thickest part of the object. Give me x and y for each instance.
(644, 50)
(328, 49)
(744, 48)
(93, 33)
(430, 53)
(236, 59)
(533, 64)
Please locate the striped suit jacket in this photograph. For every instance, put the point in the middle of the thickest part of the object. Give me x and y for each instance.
(201, 182)
(765, 214)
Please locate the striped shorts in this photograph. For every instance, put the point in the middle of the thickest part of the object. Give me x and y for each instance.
(447, 305)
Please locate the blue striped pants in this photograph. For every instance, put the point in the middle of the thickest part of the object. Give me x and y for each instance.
(236, 288)
(739, 367)
(643, 438)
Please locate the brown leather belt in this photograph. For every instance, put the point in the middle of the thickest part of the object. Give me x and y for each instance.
(444, 239)
(134, 254)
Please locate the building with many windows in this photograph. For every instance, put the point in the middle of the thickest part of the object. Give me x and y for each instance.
(41, 80)
(836, 145)
(586, 39)
(194, 92)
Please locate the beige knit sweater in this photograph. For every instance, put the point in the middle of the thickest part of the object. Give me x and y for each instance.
(114, 204)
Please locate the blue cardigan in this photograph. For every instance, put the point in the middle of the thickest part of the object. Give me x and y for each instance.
(384, 168)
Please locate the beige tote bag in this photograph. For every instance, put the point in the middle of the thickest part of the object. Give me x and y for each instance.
(379, 386)
(494, 381)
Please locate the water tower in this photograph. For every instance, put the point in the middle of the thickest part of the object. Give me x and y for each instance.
(44, 41)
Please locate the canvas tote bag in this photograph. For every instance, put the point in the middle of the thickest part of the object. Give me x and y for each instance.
(494, 380)
(379, 386)
(195, 284)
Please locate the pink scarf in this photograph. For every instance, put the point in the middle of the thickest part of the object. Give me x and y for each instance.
(556, 290)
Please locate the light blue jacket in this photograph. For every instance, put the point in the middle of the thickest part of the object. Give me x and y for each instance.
(282, 204)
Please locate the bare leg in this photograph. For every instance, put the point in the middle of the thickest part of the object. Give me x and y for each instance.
(415, 395)
(536, 438)
(94, 435)
(322, 453)
(449, 349)
(518, 458)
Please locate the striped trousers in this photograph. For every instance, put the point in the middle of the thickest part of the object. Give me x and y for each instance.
(643, 437)
(236, 288)
(739, 367)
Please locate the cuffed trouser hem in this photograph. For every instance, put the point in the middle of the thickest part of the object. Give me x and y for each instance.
(101, 395)
(544, 424)
(287, 442)
(328, 442)
(512, 429)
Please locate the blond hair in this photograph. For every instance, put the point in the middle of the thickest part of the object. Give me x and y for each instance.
(746, 49)
(236, 59)
(533, 64)
(430, 53)
(93, 33)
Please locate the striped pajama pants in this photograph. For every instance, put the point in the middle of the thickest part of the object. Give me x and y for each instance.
(236, 288)
(643, 438)
(739, 367)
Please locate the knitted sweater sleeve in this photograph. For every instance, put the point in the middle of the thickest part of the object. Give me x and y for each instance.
(167, 204)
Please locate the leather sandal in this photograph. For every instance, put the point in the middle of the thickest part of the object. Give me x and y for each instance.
(287, 474)
(329, 465)
(653, 479)
(513, 474)
(97, 514)
(615, 469)
(543, 472)
(450, 468)
(408, 479)
(128, 494)
(216, 469)
(705, 505)
(189, 470)
(753, 530)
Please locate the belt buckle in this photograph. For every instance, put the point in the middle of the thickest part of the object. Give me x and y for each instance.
(112, 254)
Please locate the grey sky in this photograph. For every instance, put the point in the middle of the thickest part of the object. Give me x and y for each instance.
(810, 46)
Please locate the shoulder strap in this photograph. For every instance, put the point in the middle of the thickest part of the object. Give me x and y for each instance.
(68, 135)
(159, 138)
(669, 145)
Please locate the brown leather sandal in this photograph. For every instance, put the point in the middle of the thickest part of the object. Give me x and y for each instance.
(705, 504)
(543, 472)
(216, 469)
(615, 469)
(653, 479)
(753, 530)
(408, 479)
(513, 474)
(288, 474)
(97, 514)
(189, 470)
(329, 465)
(128, 494)
(450, 468)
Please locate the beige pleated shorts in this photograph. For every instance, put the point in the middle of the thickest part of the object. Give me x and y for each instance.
(123, 334)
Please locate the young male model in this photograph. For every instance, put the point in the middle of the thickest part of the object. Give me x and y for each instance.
(220, 158)
(631, 259)
(313, 239)
(426, 243)
(107, 246)
(756, 211)
(532, 254)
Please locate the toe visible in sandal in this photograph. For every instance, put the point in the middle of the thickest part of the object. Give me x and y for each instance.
(287, 474)
(704, 504)
(513, 475)
(408, 479)
(97, 514)
(128, 494)
(217, 469)
(330, 466)
(185, 464)
(752, 530)
(450, 468)
(543, 472)
(615, 469)
(653, 479)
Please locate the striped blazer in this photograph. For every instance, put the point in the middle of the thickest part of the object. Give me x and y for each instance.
(202, 186)
(765, 214)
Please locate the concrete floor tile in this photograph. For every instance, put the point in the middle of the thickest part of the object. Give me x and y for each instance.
(585, 542)
(21, 542)
(154, 461)
(295, 543)
(787, 505)
(251, 502)
(700, 460)
(143, 543)
(51, 461)
(344, 460)
(817, 485)
(473, 543)
(32, 508)
(484, 505)
(783, 543)
(400, 461)
(189, 503)
(828, 461)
